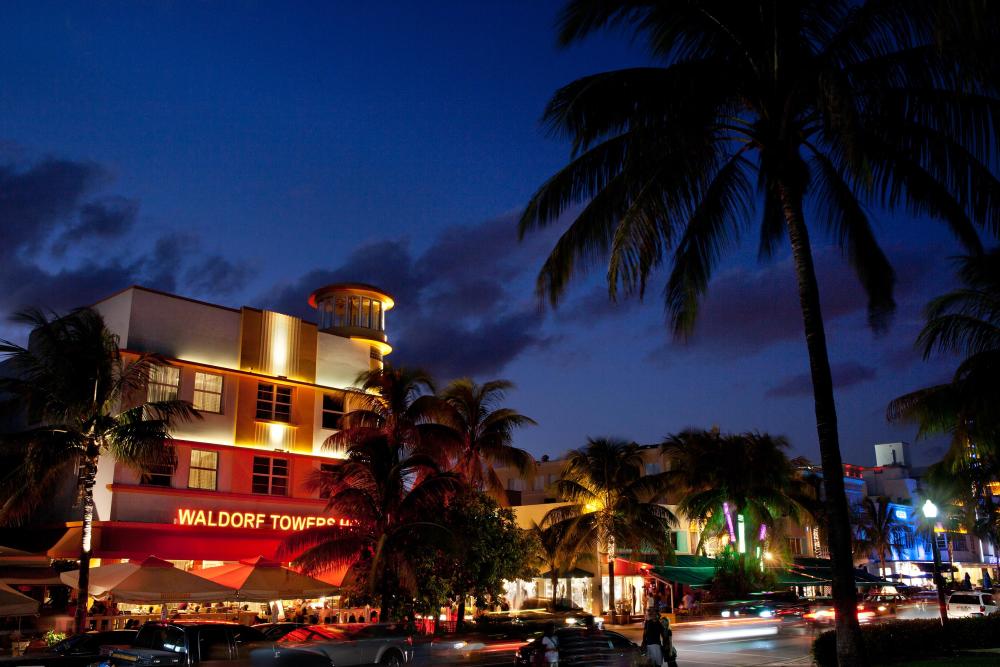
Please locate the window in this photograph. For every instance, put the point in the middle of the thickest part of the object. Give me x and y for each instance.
(377, 322)
(652, 468)
(274, 402)
(207, 392)
(794, 545)
(157, 475)
(204, 469)
(333, 410)
(163, 383)
(515, 484)
(270, 476)
(959, 543)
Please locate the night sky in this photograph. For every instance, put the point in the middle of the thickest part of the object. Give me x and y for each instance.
(248, 152)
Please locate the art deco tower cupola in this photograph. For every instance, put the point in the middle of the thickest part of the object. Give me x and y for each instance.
(355, 311)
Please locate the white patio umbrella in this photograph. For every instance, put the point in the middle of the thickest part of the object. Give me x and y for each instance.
(262, 579)
(13, 603)
(152, 580)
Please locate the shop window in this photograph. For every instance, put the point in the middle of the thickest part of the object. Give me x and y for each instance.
(333, 410)
(274, 402)
(157, 475)
(207, 392)
(204, 470)
(164, 382)
(270, 476)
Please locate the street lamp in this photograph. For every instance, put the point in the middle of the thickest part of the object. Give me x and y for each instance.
(931, 512)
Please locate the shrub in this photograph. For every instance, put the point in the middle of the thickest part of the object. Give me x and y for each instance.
(897, 641)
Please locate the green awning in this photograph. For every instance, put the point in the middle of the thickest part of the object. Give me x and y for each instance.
(689, 576)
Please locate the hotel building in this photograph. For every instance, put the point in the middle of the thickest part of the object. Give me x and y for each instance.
(270, 389)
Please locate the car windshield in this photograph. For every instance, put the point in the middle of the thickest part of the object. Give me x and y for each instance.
(160, 638)
(68, 644)
(959, 598)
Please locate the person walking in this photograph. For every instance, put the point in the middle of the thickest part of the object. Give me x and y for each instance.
(669, 652)
(550, 644)
(652, 638)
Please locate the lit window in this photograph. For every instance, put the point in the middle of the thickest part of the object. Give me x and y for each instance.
(515, 484)
(270, 476)
(652, 468)
(157, 475)
(274, 402)
(207, 392)
(163, 383)
(204, 469)
(377, 316)
(366, 311)
(333, 410)
(794, 545)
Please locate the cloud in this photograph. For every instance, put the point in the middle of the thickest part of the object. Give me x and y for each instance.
(54, 213)
(36, 201)
(464, 303)
(217, 275)
(108, 218)
(748, 309)
(845, 375)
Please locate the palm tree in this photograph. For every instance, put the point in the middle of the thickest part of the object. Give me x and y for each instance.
(486, 434)
(722, 477)
(878, 530)
(84, 401)
(391, 484)
(612, 505)
(556, 553)
(769, 111)
(966, 322)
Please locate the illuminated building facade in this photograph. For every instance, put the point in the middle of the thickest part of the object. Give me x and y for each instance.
(270, 389)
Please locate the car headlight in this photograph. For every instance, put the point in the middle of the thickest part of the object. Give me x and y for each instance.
(458, 644)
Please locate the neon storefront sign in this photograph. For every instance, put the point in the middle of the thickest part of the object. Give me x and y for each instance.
(254, 520)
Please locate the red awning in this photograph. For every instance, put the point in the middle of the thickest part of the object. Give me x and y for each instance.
(133, 540)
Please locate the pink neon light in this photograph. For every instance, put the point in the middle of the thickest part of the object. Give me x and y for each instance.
(729, 522)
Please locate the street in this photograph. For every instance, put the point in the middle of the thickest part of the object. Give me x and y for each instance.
(790, 647)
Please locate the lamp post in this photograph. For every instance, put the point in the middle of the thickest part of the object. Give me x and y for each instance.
(931, 512)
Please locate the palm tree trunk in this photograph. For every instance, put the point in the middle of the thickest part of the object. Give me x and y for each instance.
(460, 619)
(611, 586)
(849, 648)
(87, 482)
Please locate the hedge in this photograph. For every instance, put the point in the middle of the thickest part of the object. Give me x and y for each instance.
(897, 641)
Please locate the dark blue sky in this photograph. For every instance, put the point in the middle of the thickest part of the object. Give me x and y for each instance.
(247, 153)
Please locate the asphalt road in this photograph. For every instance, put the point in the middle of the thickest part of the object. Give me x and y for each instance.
(786, 648)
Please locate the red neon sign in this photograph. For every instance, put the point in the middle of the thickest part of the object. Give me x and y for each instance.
(254, 520)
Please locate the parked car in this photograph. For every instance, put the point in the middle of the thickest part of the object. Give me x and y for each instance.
(74, 651)
(971, 603)
(579, 646)
(189, 643)
(275, 631)
(341, 645)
